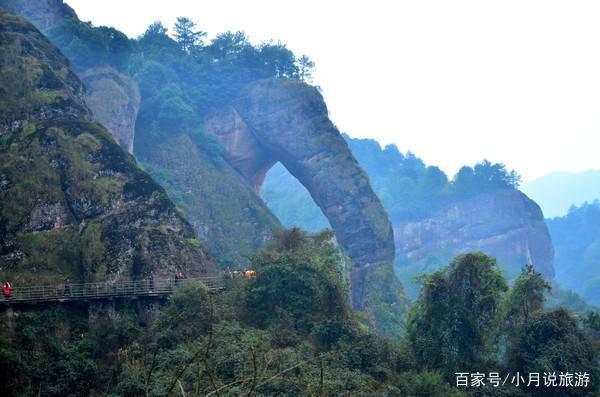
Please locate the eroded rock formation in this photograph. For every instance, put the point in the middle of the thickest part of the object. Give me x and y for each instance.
(279, 120)
(505, 224)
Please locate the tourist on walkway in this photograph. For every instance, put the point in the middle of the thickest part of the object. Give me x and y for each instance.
(151, 281)
(7, 290)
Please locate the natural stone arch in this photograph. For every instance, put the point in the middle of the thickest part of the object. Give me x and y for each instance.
(280, 120)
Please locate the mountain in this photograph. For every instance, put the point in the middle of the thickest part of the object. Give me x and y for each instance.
(73, 204)
(576, 238)
(143, 92)
(193, 108)
(558, 191)
(434, 218)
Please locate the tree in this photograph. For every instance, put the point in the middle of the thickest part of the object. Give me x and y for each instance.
(305, 68)
(229, 45)
(301, 283)
(278, 60)
(185, 34)
(554, 342)
(526, 296)
(485, 176)
(453, 324)
(156, 28)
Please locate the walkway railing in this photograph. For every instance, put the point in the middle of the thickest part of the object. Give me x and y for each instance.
(102, 290)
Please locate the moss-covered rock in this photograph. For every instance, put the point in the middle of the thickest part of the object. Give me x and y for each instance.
(230, 220)
(42, 13)
(73, 204)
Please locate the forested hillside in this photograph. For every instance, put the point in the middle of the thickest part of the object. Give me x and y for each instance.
(576, 238)
(180, 78)
(74, 205)
(291, 332)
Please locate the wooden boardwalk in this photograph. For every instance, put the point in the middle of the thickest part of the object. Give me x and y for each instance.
(103, 290)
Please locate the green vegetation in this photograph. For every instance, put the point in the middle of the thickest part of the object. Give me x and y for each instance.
(290, 332)
(453, 323)
(467, 320)
(214, 198)
(180, 76)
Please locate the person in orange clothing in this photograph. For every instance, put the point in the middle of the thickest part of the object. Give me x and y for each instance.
(250, 274)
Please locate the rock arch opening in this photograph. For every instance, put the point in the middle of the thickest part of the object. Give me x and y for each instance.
(286, 121)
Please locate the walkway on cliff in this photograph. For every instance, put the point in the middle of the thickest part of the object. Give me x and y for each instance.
(103, 290)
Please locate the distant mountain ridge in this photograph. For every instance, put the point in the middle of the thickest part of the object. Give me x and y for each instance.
(558, 191)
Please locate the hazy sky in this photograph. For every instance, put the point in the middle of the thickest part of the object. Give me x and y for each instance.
(452, 81)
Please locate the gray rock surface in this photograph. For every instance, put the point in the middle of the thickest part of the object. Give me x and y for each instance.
(505, 224)
(115, 101)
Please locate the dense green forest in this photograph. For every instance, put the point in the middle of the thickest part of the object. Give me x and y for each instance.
(576, 238)
(290, 332)
(410, 189)
(180, 76)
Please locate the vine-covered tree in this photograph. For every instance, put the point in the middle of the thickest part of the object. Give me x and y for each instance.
(453, 325)
(553, 342)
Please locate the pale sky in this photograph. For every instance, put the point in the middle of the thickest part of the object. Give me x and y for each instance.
(452, 81)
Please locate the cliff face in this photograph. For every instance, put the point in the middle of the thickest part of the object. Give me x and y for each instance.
(505, 224)
(43, 14)
(286, 121)
(72, 202)
(115, 101)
